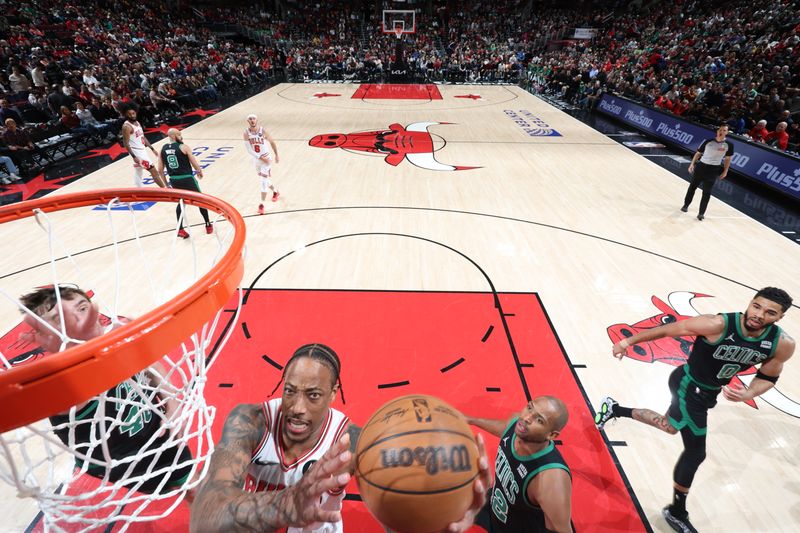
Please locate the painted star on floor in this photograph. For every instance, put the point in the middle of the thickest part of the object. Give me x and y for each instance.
(164, 128)
(114, 151)
(32, 188)
(202, 113)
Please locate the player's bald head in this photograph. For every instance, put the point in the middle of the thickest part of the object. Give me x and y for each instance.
(558, 412)
(174, 134)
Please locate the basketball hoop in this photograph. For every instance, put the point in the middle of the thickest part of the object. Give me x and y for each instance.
(398, 22)
(177, 335)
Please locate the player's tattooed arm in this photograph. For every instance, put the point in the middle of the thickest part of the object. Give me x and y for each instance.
(222, 505)
(354, 431)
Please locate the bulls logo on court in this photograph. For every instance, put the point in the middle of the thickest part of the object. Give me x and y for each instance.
(675, 350)
(413, 143)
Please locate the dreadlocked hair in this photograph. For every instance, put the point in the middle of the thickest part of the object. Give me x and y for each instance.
(323, 355)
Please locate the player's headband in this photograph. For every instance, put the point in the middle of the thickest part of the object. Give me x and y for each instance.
(251, 115)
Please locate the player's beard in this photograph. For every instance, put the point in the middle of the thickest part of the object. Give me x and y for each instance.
(750, 330)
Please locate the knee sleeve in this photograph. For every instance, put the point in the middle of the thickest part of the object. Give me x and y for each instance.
(265, 183)
(694, 453)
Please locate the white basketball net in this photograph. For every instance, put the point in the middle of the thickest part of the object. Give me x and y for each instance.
(107, 464)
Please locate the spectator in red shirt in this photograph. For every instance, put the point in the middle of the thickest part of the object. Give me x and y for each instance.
(681, 107)
(71, 121)
(665, 103)
(779, 138)
(759, 131)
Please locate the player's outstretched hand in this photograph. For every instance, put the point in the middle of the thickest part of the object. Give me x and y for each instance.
(620, 349)
(302, 507)
(735, 393)
(479, 488)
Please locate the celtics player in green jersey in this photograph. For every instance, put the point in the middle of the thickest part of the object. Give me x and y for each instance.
(178, 160)
(532, 489)
(725, 345)
(128, 419)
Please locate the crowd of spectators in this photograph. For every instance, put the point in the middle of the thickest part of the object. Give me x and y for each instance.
(736, 62)
(733, 62)
(71, 68)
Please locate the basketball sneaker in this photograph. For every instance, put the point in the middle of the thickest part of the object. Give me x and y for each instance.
(209, 228)
(606, 412)
(676, 522)
(685, 209)
(275, 196)
(260, 209)
(182, 234)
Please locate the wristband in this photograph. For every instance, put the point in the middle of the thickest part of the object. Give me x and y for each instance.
(771, 379)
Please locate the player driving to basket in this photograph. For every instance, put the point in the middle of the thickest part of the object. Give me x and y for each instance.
(284, 463)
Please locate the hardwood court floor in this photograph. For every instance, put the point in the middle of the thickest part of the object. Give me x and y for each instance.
(546, 206)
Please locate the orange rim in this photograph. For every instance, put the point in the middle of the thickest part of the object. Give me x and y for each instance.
(57, 382)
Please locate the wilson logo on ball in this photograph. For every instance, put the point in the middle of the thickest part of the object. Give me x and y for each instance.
(433, 458)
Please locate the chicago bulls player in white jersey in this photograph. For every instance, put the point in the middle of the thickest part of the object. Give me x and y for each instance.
(266, 447)
(256, 139)
(270, 469)
(142, 152)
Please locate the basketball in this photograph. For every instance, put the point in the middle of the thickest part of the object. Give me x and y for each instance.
(416, 460)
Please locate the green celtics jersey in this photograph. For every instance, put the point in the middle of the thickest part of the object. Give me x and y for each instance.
(715, 363)
(127, 425)
(176, 162)
(511, 510)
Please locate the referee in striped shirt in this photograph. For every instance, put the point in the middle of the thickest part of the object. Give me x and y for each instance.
(715, 158)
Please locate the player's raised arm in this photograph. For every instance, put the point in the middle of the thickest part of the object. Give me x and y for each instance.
(703, 325)
(221, 504)
(493, 426)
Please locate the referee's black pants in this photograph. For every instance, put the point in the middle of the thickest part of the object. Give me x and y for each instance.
(705, 175)
(188, 184)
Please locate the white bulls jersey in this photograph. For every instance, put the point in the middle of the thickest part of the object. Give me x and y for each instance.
(268, 469)
(257, 141)
(135, 140)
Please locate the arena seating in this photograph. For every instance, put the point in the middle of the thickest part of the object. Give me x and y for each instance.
(735, 62)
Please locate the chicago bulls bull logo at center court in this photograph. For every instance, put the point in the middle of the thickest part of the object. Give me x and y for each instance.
(413, 143)
(675, 350)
